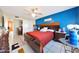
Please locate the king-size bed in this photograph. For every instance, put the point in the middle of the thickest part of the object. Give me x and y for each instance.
(38, 39)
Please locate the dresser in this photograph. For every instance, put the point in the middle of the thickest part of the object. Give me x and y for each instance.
(59, 35)
(20, 30)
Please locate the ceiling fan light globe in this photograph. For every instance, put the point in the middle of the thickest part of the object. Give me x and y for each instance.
(35, 11)
(33, 15)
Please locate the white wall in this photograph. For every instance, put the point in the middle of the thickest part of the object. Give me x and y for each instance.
(28, 25)
(5, 22)
(1, 14)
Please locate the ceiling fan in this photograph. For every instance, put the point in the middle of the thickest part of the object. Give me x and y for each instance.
(34, 12)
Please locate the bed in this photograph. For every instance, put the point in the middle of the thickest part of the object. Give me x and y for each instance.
(37, 39)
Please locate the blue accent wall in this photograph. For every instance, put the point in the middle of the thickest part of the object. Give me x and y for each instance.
(65, 17)
(77, 12)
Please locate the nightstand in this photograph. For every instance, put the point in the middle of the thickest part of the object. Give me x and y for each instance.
(59, 35)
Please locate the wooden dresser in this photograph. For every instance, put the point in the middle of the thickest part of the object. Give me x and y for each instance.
(20, 30)
(59, 35)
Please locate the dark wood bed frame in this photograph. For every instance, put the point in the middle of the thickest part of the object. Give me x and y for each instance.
(35, 44)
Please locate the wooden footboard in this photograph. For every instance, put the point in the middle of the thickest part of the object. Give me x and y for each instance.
(34, 44)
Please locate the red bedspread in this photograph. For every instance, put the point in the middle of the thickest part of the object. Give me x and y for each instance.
(43, 37)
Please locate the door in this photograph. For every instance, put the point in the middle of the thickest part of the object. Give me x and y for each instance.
(10, 26)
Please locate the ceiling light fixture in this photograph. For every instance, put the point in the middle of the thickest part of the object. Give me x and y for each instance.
(33, 15)
(34, 12)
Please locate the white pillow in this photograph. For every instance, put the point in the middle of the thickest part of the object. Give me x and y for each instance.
(44, 29)
(51, 30)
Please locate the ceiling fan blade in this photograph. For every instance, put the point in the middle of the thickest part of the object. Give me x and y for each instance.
(27, 12)
(40, 13)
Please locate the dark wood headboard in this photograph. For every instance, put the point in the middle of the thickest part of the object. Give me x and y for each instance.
(53, 25)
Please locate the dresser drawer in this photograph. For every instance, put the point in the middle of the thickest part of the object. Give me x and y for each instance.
(59, 35)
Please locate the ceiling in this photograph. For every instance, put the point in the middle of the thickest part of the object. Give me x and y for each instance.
(45, 10)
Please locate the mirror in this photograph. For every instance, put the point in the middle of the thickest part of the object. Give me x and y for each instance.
(0, 21)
